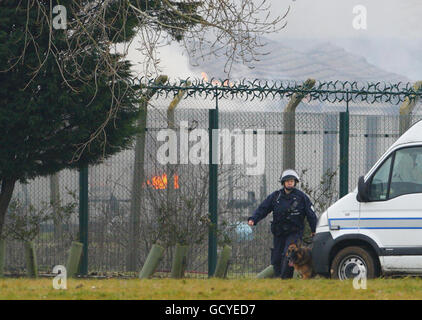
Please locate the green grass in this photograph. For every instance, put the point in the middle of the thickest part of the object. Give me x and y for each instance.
(203, 289)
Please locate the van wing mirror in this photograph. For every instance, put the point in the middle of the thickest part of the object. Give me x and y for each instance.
(363, 194)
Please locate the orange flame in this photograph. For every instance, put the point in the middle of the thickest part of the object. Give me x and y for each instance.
(215, 82)
(160, 182)
(204, 76)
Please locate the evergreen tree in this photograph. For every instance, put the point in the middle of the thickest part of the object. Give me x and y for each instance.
(66, 96)
(53, 101)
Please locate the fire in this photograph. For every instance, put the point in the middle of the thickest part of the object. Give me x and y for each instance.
(215, 82)
(160, 182)
(204, 76)
(228, 83)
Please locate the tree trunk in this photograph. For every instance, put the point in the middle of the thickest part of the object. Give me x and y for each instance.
(7, 187)
(31, 260)
(137, 194)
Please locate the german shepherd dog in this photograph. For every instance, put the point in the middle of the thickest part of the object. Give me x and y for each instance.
(301, 259)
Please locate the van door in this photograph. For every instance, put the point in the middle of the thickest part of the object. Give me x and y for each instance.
(393, 216)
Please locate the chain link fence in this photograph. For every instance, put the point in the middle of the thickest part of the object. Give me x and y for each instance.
(173, 203)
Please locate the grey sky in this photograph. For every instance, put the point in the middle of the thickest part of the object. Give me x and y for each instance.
(392, 40)
(333, 18)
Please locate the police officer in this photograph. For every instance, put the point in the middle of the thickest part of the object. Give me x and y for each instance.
(289, 206)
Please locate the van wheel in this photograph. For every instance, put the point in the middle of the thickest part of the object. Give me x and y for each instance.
(351, 261)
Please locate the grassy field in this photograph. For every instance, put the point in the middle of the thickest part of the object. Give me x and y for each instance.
(201, 289)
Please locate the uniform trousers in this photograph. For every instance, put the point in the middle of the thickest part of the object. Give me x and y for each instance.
(278, 254)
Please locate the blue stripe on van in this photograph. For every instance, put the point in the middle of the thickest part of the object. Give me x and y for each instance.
(390, 228)
(354, 228)
(405, 218)
(377, 228)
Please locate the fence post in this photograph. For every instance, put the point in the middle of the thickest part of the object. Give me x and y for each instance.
(289, 125)
(344, 150)
(406, 109)
(137, 193)
(213, 185)
(83, 218)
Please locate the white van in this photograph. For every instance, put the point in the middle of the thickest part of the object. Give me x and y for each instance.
(377, 228)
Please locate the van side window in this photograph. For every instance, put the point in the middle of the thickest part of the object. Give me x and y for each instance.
(378, 189)
(407, 172)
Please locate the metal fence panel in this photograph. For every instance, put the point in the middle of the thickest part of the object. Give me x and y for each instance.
(174, 199)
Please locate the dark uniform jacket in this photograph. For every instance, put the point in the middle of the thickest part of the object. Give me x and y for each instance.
(289, 211)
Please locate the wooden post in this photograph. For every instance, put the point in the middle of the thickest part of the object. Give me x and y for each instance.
(171, 169)
(406, 109)
(171, 125)
(289, 126)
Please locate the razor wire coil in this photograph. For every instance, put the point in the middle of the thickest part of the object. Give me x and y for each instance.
(323, 91)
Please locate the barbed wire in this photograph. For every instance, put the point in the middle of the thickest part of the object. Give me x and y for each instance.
(323, 91)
